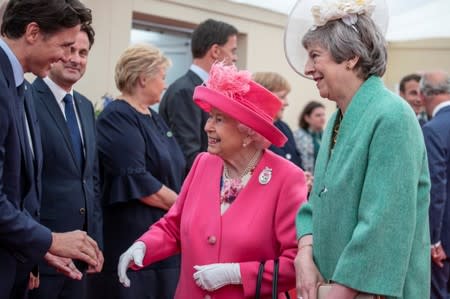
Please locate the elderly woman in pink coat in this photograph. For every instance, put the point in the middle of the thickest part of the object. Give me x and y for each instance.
(238, 204)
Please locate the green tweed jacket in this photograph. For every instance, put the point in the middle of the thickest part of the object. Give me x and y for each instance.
(368, 210)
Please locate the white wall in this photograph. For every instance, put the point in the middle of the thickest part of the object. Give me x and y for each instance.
(416, 57)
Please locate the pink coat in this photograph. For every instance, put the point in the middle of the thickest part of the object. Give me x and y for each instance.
(258, 226)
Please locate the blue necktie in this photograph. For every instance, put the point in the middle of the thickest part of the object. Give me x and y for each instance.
(72, 125)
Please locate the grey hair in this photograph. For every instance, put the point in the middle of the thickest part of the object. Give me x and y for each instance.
(259, 141)
(430, 87)
(2, 10)
(344, 43)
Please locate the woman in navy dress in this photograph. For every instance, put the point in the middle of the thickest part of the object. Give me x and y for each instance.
(142, 169)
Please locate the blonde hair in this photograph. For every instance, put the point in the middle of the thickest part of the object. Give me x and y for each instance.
(274, 82)
(135, 61)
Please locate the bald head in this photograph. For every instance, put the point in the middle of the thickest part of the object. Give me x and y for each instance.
(434, 89)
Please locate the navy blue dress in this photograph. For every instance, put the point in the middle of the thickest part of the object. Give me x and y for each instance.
(137, 154)
(289, 150)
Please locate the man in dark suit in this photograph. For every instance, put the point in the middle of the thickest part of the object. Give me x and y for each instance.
(211, 41)
(435, 92)
(70, 187)
(35, 34)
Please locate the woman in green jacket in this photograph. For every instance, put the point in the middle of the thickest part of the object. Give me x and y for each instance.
(365, 227)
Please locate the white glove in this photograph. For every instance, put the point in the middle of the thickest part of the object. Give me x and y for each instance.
(214, 276)
(134, 254)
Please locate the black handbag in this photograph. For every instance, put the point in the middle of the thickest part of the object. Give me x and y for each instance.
(274, 281)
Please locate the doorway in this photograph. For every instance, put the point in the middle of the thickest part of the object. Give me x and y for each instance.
(174, 42)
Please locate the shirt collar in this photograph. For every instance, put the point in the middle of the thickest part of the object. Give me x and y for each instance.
(57, 91)
(440, 106)
(15, 64)
(199, 72)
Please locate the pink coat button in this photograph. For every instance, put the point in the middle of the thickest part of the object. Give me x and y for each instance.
(212, 240)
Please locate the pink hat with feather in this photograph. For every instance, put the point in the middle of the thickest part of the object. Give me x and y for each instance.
(235, 94)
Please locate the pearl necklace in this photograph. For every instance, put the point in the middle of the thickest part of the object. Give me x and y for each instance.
(248, 169)
(231, 187)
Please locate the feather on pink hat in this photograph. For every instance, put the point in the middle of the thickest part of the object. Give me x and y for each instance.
(235, 94)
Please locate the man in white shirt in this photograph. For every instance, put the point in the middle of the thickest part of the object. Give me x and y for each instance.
(70, 193)
(212, 41)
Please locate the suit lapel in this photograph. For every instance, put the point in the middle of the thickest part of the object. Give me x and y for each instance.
(46, 96)
(33, 125)
(196, 80)
(23, 137)
(7, 71)
(18, 104)
(17, 101)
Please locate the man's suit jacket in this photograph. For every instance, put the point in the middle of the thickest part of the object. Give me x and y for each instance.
(437, 140)
(69, 194)
(185, 119)
(22, 239)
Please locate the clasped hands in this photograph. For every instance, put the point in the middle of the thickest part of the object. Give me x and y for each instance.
(309, 278)
(438, 255)
(208, 277)
(307, 274)
(75, 245)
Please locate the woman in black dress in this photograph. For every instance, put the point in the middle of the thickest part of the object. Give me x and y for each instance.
(141, 168)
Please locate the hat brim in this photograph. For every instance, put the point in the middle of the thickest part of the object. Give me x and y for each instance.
(207, 98)
(300, 20)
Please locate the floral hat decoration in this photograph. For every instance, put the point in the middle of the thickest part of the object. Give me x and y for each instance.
(311, 14)
(234, 93)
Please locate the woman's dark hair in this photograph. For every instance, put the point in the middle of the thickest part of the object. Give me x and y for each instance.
(207, 34)
(309, 108)
(50, 15)
(406, 79)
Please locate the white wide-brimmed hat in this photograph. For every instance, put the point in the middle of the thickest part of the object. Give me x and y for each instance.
(310, 14)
